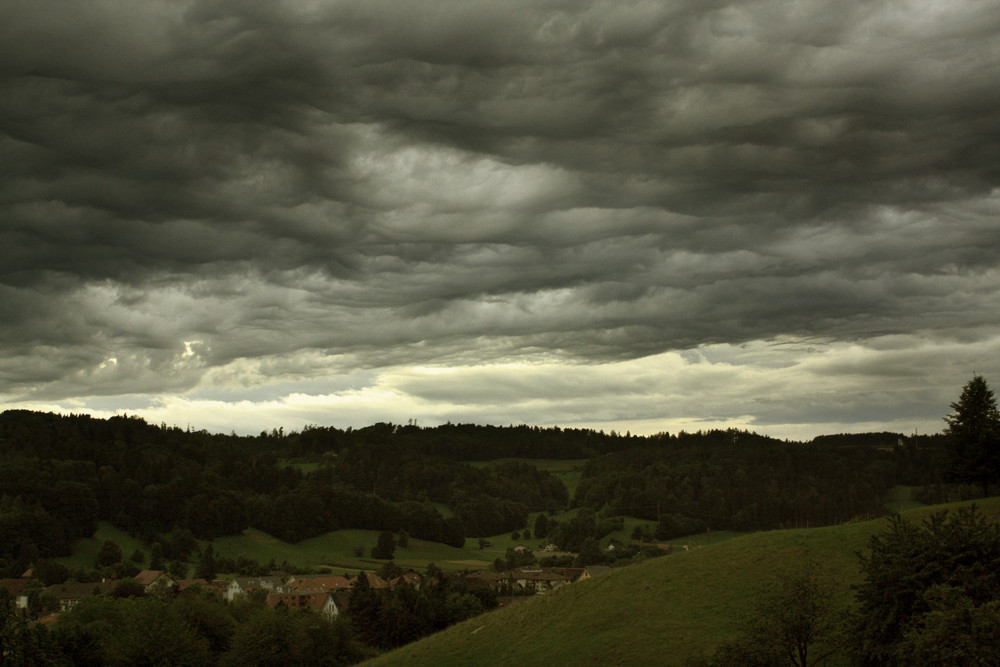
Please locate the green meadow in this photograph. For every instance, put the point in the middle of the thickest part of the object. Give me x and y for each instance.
(85, 550)
(334, 550)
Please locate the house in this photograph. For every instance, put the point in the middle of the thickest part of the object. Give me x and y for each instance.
(520, 548)
(540, 580)
(70, 595)
(570, 573)
(342, 599)
(374, 580)
(243, 585)
(489, 578)
(155, 581)
(550, 547)
(411, 578)
(329, 604)
(319, 583)
(17, 589)
(323, 603)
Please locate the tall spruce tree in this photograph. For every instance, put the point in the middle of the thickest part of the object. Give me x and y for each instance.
(973, 446)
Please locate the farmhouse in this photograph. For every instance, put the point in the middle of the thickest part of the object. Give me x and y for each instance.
(154, 581)
(539, 580)
(70, 595)
(374, 580)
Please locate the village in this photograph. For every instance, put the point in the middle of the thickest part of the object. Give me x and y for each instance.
(325, 594)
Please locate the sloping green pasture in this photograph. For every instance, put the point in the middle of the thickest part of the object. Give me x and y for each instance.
(661, 612)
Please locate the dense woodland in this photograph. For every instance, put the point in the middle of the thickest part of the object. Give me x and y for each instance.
(59, 475)
(743, 481)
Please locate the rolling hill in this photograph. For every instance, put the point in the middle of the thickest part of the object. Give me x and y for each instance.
(664, 611)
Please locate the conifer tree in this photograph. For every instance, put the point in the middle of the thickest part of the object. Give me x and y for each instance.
(973, 431)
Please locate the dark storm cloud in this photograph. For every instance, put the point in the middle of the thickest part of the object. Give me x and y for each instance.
(186, 184)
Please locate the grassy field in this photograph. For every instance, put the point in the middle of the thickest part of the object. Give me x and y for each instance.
(661, 612)
(85, 550)
(336, 550)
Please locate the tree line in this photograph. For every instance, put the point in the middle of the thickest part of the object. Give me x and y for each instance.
(738, 480)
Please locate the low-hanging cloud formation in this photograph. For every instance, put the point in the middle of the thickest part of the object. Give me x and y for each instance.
(240, 202)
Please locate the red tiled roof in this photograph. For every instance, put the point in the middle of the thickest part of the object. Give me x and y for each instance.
(184, 584)
(146, 577)
(14, 586)
(298, 600)
(374, 580)
(323, 583)
(48, 619)
(411, 578)
(72, 591)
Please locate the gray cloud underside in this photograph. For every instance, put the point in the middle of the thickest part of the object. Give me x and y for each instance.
(190, 183)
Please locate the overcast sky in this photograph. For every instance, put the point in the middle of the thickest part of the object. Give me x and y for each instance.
(649, 216)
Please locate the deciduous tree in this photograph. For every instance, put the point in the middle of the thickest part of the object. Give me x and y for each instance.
(793, 623)
(109, 554)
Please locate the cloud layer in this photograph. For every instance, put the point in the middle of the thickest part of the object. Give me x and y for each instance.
(242, 202)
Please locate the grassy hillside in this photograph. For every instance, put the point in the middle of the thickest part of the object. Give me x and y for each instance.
(661, 612)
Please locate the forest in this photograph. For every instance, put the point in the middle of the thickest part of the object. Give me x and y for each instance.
(738, 480)
(60, 474)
